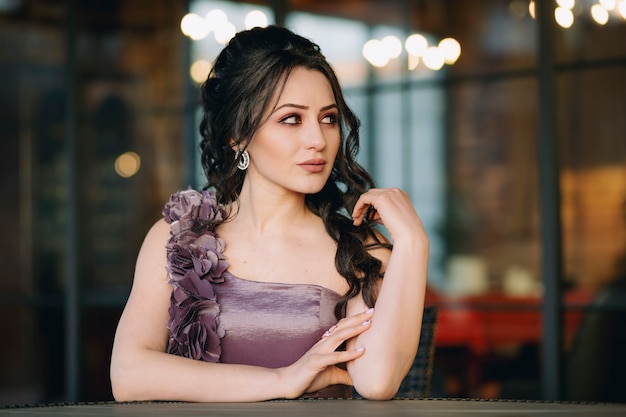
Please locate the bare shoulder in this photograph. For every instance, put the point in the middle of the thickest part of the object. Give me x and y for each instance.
(150, 292)
(158, 234)
(146, 311)
(152, 258)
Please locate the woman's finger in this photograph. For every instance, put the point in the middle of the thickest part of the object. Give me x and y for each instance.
(394, 210)
(366, 207)
(355, 320)
(332, 375)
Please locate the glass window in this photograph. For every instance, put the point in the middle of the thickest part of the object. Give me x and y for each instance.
(221, 19)
(341, 41)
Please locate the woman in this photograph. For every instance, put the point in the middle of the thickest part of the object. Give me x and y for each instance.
(272, 285)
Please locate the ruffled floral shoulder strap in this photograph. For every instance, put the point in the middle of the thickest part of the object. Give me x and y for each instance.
(194, 264)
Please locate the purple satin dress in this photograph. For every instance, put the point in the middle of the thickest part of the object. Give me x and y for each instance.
(217, 317)
(272, 324)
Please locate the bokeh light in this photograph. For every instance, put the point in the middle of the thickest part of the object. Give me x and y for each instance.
(564, 17)
(433, 58)
(215, 18)
(194, 26)
(200, 70)
(392, 45)
(567, 4)
(224, 32)
(599, 14)
(127, 164)
(374, 52)
(416, 44)
(255, 18)
(451, 50)
(621, 7)
(608, 4)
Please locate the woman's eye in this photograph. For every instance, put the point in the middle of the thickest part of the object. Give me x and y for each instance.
(330, 119)
(291, 120)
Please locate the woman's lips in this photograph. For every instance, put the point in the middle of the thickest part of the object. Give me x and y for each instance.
(313, 165)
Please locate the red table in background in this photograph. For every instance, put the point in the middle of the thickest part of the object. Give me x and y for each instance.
(486, 322)
(474, 331)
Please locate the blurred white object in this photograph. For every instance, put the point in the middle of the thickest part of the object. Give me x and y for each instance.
(467, 275)
(519, 282)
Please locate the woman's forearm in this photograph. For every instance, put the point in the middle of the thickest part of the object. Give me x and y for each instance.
(155, 375)
(392, 340)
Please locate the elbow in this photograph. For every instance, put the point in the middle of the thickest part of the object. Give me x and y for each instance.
(120, 395)
(119, 387)
(377, 394)
(380, 382)
(122, 385)
(377, 389)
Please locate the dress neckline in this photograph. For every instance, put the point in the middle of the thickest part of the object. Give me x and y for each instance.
(228, 275)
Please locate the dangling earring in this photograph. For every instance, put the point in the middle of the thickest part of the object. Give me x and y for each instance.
(244, 162)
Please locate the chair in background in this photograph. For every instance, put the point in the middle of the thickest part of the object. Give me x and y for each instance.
(416, 384)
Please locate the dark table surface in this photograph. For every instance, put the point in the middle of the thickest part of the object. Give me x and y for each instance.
(328, 408)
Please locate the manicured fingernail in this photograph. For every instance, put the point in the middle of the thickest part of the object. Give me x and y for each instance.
(366, 322)
(370, 310)
(330, 331)
(361, 349)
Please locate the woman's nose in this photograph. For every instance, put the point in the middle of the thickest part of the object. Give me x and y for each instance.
(314, 137)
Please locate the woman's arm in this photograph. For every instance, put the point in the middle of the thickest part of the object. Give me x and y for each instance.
(142, 370)
(392, 340)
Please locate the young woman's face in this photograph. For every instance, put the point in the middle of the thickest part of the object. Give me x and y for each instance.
(295, 148)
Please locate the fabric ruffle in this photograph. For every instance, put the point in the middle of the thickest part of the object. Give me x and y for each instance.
(195, 262)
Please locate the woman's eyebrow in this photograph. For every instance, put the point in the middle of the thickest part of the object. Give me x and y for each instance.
(303, 107)
(297, 106)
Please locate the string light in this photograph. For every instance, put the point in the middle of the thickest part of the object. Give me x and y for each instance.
(215, 18)
(127, 164)
(451, 50)
(567, 4)
(375, 53)
(380, 52)
(200, 70)
(393, 46)
(224, 32)
(564, 17)
(599, 14)
(194, 26)
(434, 58)
(621, 7)
(255, 18)
(197, 27)
(416, 44)
(608, 4)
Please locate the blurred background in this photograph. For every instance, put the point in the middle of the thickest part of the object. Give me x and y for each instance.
(505, 120)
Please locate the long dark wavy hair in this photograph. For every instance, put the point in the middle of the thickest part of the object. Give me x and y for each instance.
(238, 91)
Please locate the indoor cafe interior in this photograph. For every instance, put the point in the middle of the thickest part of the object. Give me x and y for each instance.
(504, 120)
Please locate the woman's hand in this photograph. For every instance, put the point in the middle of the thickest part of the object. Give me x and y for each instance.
(391, 207)
(317, 369)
